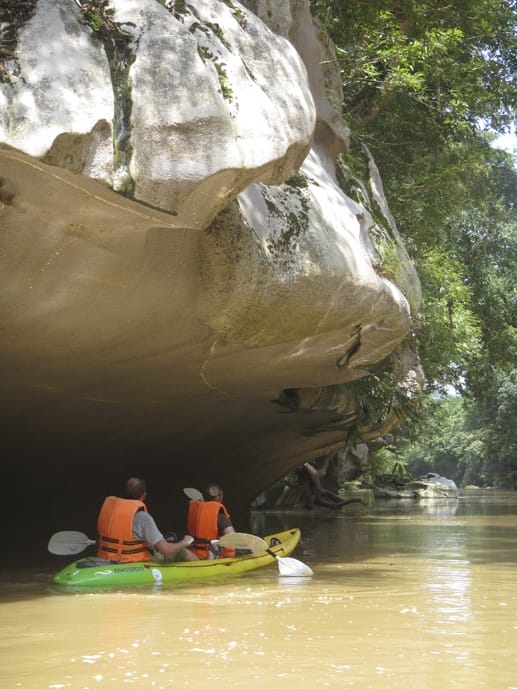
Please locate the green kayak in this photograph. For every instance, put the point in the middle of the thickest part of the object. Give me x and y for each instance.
(93, 572)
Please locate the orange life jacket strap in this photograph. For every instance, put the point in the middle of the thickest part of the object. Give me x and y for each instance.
(115, 531)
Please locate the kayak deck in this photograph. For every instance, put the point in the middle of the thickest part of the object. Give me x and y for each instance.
(96, 573)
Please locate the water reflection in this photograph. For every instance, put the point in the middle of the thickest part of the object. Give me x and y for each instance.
(449, 588)
(402, 596)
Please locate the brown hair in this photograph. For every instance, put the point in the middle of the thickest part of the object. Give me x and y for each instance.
(134, 488)
(213, 491)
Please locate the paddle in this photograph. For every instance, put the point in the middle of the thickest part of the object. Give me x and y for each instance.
(290, 567)
(68, 543)
(287, 566)
(193, 494)
(243, 541)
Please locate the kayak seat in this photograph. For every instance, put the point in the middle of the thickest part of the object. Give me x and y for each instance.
(92, 562)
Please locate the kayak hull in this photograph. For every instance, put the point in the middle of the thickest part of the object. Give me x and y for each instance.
(92, 573)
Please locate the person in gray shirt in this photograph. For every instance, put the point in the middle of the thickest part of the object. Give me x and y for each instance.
(113, 523)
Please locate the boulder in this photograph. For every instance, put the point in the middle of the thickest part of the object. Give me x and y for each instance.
(430, 486)
(187, 291)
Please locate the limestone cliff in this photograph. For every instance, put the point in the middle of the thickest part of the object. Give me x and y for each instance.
(187, 291)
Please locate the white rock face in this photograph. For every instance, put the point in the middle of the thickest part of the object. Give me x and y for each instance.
(303, 266)
(63, 86)
(233, 271)
(241, 108)
(216, 101)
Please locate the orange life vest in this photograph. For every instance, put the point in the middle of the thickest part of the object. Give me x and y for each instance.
(115, 531)
(202, 525)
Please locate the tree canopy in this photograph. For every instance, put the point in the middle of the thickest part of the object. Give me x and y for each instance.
(451, 63)
(428, 85)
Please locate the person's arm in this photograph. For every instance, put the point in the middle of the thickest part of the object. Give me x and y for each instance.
(224, 524)
(167, 549)
(145, 529)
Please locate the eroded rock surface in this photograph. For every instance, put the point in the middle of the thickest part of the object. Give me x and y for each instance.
(186, 290)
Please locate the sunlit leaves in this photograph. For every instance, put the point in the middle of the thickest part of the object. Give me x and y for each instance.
(456, 59)
(451, 336)
(446, 444)
(502, 464)
(422, 79)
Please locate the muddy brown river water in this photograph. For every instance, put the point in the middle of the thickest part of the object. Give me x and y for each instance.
(404, 596)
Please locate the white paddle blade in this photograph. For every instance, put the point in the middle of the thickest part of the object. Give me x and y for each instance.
(243, 541)
(68, 543)
(290, 567)
(193, 494)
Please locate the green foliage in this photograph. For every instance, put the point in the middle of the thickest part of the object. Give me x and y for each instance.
(379, 396)
(222, 75)
(445, 445)
(386, 463)
(466, 441)
(454, 60)
(178, 8)
(450, 339)
(499, 417)
(389, 257)
(487, 248)
(421, 79)
(237, 13)
(100, 17)
(418, 76)
(298, 181)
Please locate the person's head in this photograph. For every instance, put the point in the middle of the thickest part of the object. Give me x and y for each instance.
(135, 489)
(213, 491)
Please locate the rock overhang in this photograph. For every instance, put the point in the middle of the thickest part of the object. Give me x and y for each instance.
(158, 334)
